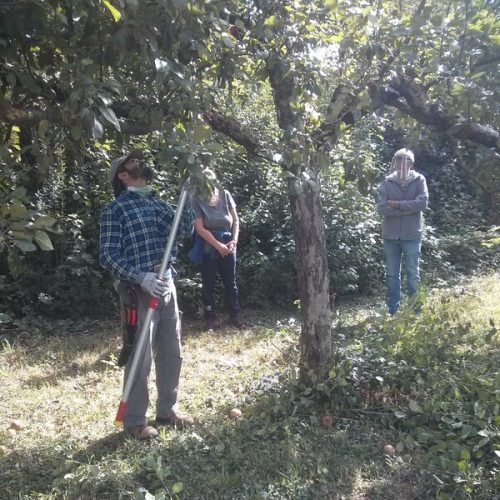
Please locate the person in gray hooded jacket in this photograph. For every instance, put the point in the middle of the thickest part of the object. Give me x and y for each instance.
(401, 199)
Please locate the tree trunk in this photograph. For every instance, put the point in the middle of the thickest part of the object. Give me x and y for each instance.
(313, 284)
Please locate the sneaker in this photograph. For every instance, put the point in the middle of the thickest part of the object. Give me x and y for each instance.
(175, 418)
(142, 432)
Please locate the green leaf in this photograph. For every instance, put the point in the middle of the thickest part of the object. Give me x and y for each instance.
(414, 406)
(61, 17)
(202, 132)
(228, 41)
(271, 21)
(466, 430)
(97, 129)
(44, 221)
(25, 246)
(114, 11)
(163, 68)
(43, 240)
(177, 488)
(43, 127)
(113, 86)
(87, 62)
(17, 211)
(110, 117)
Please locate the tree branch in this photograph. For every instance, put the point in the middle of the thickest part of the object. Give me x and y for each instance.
(282, 84)
(15, 115)
(411, 99)
(234, 130)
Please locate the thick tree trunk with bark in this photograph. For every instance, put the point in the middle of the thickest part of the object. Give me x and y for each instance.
(313, 285)
(311, 259)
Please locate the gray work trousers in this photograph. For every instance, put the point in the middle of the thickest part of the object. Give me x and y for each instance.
(164, 344)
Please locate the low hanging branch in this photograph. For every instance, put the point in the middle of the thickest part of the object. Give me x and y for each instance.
(30, 117)
(14, 115)
(411, 98)
(234, 130)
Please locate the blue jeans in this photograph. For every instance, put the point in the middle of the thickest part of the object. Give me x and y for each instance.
(226, 267)
(394, 250)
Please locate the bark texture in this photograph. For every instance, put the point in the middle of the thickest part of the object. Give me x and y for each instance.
(313, 285)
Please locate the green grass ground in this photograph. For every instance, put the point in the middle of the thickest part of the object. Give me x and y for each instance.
(60, 381)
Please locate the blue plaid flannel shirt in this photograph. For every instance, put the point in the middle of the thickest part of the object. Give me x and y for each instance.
(134, 233)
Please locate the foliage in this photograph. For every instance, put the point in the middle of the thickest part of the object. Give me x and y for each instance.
(438, 375)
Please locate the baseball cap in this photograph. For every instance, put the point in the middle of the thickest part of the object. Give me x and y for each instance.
(117, 162)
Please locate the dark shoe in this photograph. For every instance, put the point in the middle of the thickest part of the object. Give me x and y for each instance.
(175, 418)
(236, 321)
(210, 324)
(142, 432)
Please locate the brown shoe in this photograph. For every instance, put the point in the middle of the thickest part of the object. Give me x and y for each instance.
(175, 418)
(210, 324)
(236, 321)
(142, 432)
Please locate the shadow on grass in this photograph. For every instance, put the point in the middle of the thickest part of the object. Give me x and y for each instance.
(72, 368)
(44, 470)
(277, 450)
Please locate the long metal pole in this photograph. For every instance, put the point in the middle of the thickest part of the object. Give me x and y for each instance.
(152, 305)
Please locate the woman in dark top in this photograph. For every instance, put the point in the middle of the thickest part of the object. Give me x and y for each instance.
(217, 223)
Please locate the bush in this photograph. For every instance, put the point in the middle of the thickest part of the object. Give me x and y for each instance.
(438, 378)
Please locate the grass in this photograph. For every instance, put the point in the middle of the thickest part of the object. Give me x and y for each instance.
(60, 381)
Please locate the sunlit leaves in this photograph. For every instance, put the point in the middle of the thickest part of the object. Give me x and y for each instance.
(113, 10)
(109, 115)
(97, 129)
(43, 240)
(201, 132)
(44, 221)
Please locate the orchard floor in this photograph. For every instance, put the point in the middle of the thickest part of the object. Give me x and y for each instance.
(60, 387)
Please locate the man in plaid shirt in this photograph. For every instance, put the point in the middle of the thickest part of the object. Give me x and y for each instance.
(134, 232)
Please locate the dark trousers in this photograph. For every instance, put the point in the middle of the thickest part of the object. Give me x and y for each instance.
(226, 267)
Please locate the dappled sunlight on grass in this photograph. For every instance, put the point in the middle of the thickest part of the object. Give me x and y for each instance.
(64, 389)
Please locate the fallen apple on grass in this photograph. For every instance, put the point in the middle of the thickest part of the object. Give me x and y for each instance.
(235, 414)
(389, 450)
(326, 421)
(17, 425)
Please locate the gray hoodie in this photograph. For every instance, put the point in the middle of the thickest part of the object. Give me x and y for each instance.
(406, 222)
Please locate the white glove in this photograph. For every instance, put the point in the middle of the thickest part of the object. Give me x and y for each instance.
(154, 286)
